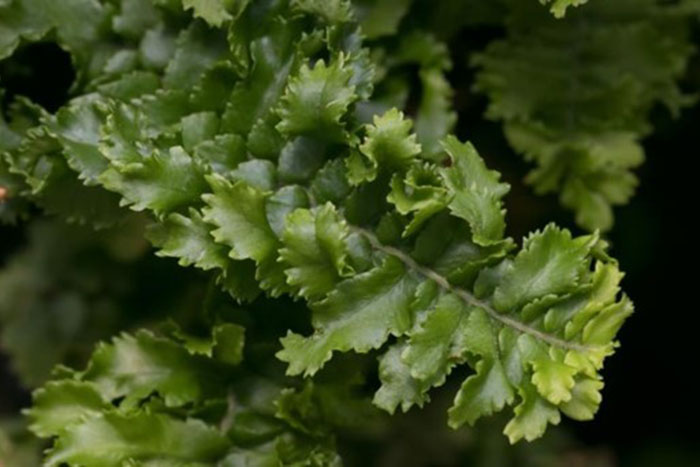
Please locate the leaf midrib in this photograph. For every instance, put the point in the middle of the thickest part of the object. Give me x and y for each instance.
(468, 297)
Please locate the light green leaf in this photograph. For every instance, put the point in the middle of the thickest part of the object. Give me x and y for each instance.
(476, 192)
(484, 393)
(532, 416)
(585, 399)
(61, 404)
(554, 380)
(214, 12)
(227, 342)
(603, 328)
(389, 144)
(558, 7)
(358, 315)
(135, 18)
(113, 439)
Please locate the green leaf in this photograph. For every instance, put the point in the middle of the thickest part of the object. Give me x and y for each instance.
(332, 12)
(197, 50)
(420, 193)
(228, 341)
(78, 129)
(161, 181)
(550, 263)
(281, 204)
(476, 192)
(398, 387)
(603, 328)
(61, 404)
(317, 100)
(330, 183)
(254, 98)
(188, 239)
(198, 128)
(238, 211)
(149, 439)
(131, 85)
(490, 389)
(484, 393)
(18, 23)
(54, 187)
(532, 416)
(135, 19)
(259, 174)
(214, 12)
(244, 137)
(358, 315)
(585, 399)
(133, 367)
(301, 158)
(315, 249)
(554, 380)
(225, 344)
(389, 143)
(558, 7)
(77, 28)
(222, 154)
(438, 344)
(140, 426)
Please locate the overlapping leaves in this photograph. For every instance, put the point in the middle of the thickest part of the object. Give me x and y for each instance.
(268, 161)
(575, 94)
(148, 399)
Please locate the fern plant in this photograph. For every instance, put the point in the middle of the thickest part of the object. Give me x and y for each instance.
(278, 147)
(575, 94)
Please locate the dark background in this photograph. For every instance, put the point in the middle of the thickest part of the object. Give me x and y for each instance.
(649, 415)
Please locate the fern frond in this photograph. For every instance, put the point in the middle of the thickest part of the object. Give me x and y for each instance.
(287, 176)
(575, 95)
(142, 394)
